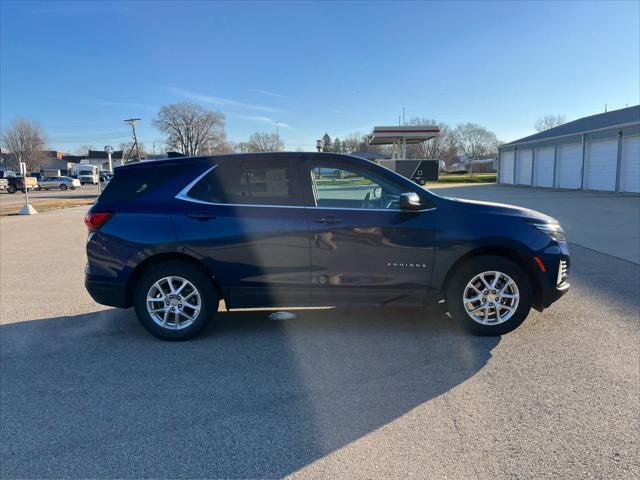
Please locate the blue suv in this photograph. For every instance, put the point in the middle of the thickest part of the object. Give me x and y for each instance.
(174, 237)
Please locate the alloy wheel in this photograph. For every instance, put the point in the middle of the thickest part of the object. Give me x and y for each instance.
(491, 298)
(173, 303)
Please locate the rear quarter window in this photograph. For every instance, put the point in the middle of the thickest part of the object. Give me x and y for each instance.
(128, 185)
(249, 182)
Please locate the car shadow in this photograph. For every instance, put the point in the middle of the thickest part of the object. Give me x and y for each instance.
(97, 396)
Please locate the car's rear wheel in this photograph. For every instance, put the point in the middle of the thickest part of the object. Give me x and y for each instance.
(489, 295)
(422, 182)
(63, 187)
(12, 189)
(174, 300)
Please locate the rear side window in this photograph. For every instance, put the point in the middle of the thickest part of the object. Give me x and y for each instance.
(249, 182)
(128, 185)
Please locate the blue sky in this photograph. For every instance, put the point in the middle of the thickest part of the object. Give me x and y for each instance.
(80, 68)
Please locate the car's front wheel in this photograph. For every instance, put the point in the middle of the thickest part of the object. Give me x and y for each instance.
(174, 300)
(489, 295)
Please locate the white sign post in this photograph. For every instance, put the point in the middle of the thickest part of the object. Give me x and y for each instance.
(27, 209)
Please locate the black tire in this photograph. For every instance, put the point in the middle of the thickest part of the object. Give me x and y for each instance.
(63, 187)
(422, 182)
(12, 189)
(197, 277)
(488, 263)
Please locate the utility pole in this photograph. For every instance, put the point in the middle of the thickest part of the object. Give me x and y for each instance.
(132, 122)
(277, 138)
(403, 116)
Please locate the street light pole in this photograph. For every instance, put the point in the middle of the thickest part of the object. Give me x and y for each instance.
(109, 150)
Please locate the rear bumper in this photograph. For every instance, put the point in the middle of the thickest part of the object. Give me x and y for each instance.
(106, 293)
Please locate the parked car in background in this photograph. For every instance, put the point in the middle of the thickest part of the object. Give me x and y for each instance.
(105, 176)
(173, 237)
(4, 184)
(39, 177)
(15, 181)
(8, 174)
(60, 183)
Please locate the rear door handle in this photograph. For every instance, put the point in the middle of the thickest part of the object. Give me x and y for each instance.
(203, 216)
(329, 220)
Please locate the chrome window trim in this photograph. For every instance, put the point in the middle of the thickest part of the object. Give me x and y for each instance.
(184, 195)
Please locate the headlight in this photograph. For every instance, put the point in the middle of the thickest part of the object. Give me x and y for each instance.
(554, 230)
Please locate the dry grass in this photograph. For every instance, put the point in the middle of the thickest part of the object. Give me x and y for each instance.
(46, 205)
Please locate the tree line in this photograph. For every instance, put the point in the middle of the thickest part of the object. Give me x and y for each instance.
(191, 130)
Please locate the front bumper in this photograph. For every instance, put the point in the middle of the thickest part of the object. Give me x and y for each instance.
(551, 295)
(554, 283)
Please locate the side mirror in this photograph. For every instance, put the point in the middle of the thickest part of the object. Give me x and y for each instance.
(410, 201)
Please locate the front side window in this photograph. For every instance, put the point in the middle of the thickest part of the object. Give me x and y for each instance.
(248, 182)
(347, 188)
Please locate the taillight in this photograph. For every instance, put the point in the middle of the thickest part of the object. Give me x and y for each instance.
(95, 220)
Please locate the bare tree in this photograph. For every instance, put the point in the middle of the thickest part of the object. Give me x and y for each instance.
(351, 143)
(548, 121)
(357, 142)
(475, 141)
(84, 149)
(191, 129)
(442, 147)
(25, 140)
(129, 152)
(261, 142)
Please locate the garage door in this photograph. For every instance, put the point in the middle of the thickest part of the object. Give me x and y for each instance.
(569, 165)
(543, 167)
(601, 164)
(523, 166)
(630, 166)
(506, 167)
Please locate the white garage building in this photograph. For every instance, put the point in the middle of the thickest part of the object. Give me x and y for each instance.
(600, 152)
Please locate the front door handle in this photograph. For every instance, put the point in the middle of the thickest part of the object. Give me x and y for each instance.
(203, 216)
(329, 220)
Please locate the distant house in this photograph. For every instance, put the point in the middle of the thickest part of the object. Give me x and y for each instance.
(74, 158)
(482, 165)
(54, 160)
(100, 159)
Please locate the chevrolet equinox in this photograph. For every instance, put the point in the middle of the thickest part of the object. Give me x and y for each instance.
(174, 237)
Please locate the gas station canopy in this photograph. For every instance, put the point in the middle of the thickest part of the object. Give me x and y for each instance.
(392, 135)
(400, 137)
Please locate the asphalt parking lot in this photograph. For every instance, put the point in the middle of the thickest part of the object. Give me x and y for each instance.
(348, 393)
